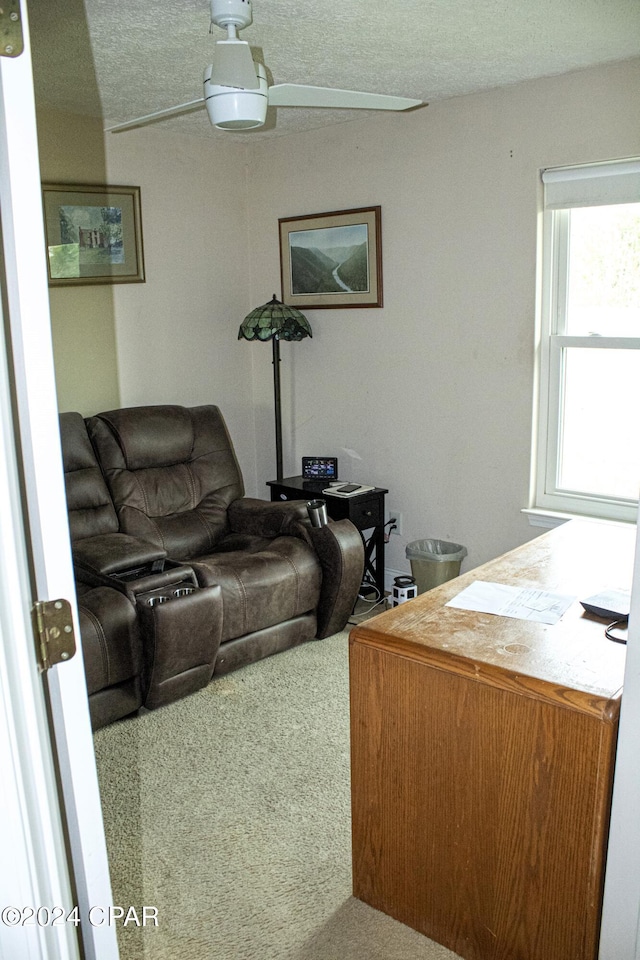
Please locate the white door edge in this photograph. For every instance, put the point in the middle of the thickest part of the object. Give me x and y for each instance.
(33, 381)
(34, 871)
(620, 931)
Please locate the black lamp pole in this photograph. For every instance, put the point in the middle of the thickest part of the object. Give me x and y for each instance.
(278, 406)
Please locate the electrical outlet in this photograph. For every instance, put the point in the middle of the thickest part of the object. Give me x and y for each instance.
(393, 513)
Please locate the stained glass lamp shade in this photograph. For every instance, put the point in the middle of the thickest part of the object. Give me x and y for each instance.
(275, 321)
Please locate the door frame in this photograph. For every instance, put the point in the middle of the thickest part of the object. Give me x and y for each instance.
(35, 871)
(35, 562)
(31, 407)
(620, 930)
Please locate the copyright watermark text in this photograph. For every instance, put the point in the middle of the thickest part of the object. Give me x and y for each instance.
(97, 916)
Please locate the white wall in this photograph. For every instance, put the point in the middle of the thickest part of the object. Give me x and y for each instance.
(434, 390)
(176, 334)
(71, 150)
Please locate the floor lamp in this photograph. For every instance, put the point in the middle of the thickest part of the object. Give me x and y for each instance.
(275, 321)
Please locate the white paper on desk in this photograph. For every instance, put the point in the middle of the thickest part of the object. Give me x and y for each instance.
(521, 603)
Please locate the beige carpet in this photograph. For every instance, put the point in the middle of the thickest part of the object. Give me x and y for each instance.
(229, 812)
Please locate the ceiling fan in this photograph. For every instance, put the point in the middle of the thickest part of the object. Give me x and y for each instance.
(236, 94)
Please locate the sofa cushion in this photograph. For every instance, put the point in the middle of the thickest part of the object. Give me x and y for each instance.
(91, 511)
(172, 473)
(154, 436)
(265, 583)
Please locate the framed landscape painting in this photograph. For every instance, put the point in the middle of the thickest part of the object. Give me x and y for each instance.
(332, 259)
(93, 234)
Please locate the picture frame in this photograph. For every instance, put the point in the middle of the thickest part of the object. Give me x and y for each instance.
(332, 260)
(93, 234)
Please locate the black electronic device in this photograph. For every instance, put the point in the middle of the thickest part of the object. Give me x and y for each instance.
(320, 468)
(610, 604)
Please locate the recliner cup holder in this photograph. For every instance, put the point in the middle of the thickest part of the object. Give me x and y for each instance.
(179, 591)
(153, 601)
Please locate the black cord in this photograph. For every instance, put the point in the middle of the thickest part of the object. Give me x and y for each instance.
(387, 533)
(621, 625)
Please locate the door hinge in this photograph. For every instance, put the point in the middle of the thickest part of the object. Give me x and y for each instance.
(11, 38)
(53, 631)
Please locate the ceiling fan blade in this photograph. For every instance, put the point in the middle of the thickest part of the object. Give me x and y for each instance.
(233, 65)
(158, 115)
(299, 95)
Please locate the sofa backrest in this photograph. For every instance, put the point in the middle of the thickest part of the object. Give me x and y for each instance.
(91, 511)
(172, 473)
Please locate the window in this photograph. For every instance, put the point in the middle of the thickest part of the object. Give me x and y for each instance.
(587, 444)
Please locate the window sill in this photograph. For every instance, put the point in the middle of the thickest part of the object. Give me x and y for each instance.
(551, 518)
(545, 518)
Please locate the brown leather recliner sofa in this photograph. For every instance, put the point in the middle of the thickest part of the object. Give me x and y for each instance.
(180, 575)
(108, 622)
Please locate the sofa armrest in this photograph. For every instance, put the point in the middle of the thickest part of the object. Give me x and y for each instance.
(266, 518)
(95, 558)
(338, 546)
(340, 550)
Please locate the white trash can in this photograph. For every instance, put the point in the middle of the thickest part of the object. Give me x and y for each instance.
(434, 562)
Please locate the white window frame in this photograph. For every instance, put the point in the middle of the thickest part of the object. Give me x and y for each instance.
(564, 189)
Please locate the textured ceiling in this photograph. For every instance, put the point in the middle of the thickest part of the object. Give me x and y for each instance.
(120, 59)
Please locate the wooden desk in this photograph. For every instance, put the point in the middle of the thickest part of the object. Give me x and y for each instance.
(482, 757)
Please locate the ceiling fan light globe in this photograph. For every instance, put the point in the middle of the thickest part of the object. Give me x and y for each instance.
(232, 108)
(233, 124)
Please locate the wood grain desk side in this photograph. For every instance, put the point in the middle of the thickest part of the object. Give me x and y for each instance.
(482, 759)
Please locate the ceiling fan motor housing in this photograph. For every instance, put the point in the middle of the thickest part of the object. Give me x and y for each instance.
(234, 13)
(232, 108)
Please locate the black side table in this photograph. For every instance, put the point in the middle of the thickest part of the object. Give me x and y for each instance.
(365, 510)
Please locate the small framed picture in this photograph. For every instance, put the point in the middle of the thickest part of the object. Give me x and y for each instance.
(93, 234)
(332, 259)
